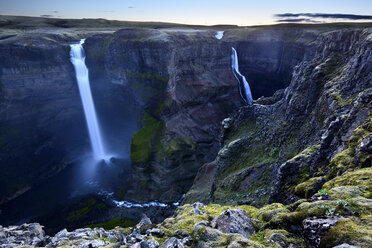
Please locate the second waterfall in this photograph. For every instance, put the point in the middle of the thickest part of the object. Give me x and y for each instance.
(245, 90)
(77, 55)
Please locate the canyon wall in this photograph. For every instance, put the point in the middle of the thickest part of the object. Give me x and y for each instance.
(314, 130)
(173, 87)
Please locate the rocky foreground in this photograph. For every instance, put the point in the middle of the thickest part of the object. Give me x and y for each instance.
(200, 225)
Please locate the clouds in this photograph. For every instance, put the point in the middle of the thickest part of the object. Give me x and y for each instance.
(297, 20)
(319, 17)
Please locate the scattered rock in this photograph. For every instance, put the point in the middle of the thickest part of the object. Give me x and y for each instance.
(26, 234)
(145, 220)
(234, 221)
(172, 243)
(314, 228)
(156, 232)
(142, 244)
(196, 208)
(93, 243)
(346, 246)
(152, 243)
(279, 239)
(317, 197)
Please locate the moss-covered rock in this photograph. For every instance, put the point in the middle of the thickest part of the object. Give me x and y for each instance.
(356, 206)
(352, 157)
(277, 238)
(206, 236)
(349, 231)
(268, 212)
(353, 183)
(309, 187)
(306, 153)
(143, 140)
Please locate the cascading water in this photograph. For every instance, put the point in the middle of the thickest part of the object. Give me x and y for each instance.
(245, 90)
(78, 60)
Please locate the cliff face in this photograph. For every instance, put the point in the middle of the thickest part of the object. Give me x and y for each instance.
(316, 127)
(176, 85)
(183, 85)
(39, 100)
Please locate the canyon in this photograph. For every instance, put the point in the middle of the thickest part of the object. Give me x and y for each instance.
(172, 115)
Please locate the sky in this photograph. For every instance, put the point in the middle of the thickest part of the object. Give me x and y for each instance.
(204, 12)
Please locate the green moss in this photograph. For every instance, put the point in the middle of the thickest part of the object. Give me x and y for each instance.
(255, 154)
(348, 231)
(83, 209)
(244, 129)
(347, 207)
(111, 224)
(361, 180)
(304, 210)
(148, 86)
(269, 237)
(336, 94)
(331, 68)
(168, 147)
(142, 141)
(190, 142)
(306, 153)
(308, 187)
(346, 159)
(185, 220)
(268, 212)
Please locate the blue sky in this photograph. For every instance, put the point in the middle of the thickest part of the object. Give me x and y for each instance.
(208, 12)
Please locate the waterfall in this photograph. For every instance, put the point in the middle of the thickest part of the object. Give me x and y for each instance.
(78, 60)
(245, 90)
(219, 35)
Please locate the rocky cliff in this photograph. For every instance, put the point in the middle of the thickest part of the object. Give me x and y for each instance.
(271, 146)
(177, 82)
(183, 82)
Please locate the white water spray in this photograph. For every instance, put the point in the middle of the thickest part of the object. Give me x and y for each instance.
(78, 60)
(246, 95)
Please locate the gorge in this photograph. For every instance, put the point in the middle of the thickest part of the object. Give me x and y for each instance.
(175, 108)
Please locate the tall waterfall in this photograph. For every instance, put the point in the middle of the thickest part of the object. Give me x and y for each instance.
(245, 90)
(78, 60)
